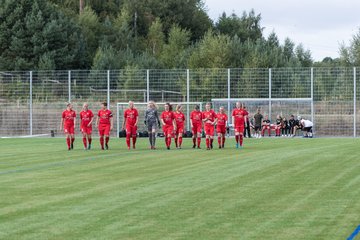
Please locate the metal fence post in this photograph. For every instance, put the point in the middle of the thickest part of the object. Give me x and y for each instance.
(354, 102)
(69, 86)
(108, 89)
(188, 99)
(148, 85)
(312, 97)
(228, 92)
(30, 104)
(270, 93)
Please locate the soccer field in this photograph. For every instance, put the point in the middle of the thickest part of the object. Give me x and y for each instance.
(271, 189)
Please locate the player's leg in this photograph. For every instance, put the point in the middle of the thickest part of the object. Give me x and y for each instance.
(84, 138)
(176, 137)
(72, 136)
(107, 136)
(211, 131)
(241, 137)
(101, 135)
(199, 135)
(89, 137)
(128, 136)
(180, 137)
(237, 136)
(134, 135)
(68, 140)
(219, 138)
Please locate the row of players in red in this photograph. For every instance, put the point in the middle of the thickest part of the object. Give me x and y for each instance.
(172, 125)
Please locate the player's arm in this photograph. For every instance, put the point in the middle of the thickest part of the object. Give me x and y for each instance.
(75, 120)
(111, 123)
(97, 121)
(174, 124)
(157, 118)
(233, 119)
(123, 124)
(191, 123)
(91, 120)
(137, 120)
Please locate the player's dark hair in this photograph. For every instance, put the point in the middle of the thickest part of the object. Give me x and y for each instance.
(197, 107)
(170, 107)
(104, 103)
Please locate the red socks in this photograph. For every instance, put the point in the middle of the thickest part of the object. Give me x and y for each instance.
(180, 141)
(208, 143)
(107, 140)
(134, 140)
(73, 140)
(223, 141)
(237, 138)
(89, 139)
(241, 140)
(168, 141)
(194, 141)
(176, 142)
(128, 140)
(198, 142)
(102, 142)
(68, 142)
(85, 142)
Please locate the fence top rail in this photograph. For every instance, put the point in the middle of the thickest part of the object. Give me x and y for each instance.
(261, 99)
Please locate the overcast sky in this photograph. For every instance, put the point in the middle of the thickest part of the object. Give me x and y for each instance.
(320, 25)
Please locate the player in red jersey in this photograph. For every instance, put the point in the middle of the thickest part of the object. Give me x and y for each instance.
(68, 121)
(239, 120)
(104, 123)
(196, 125)
(131, 119)
(86, 119)
(180, 123)
(209, 119)
(222, 119)
(168, 122)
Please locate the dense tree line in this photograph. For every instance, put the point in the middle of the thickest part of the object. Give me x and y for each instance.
(120, 34)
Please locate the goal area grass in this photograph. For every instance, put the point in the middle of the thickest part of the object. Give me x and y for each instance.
(270, 189)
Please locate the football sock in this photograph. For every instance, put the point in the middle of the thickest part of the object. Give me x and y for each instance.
(241, 140)
(223, 141)
(90, 139)
(134, 140)
(194, 141)
(153, 139)
(128, 140)
(84, 141)
(176, 141)
(72, 140)
(102, 142)
(68, 142)
(219, 140)
(211, 141)
(180, 141)
(166, 141)
(198, 142)
(207, 143)
(107, 140)
(237, 138)
(169, 141)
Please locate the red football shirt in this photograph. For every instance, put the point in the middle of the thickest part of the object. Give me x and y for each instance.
(239, 116)
(221, 119)
(196, 117)
(210, 115)
(85, 117)
(168, 117)
(131, 115)
(179, 119)
(69, 117)
(105, 116)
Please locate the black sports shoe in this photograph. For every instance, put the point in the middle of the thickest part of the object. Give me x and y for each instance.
(106, 147)
(194, 146)
(219, 147)
(168, 148)
(223, 146)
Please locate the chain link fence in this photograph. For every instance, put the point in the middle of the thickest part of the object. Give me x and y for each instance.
(31, 102)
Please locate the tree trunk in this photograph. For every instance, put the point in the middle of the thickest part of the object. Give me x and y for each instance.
(82, 5)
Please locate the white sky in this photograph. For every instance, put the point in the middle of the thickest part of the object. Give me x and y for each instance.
(320, 25)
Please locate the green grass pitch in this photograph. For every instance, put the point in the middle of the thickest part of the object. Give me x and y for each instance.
(271, 189)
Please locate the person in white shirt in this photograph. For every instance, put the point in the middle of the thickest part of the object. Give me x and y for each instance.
(307, 127)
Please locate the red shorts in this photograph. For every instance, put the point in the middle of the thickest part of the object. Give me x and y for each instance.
(221, 129)
(86, 129)
(104, 129)
(179, 130)
(196, 129)
(239, 129)
(168, 130)
(131, 129)
(209, 130)
(69, 129)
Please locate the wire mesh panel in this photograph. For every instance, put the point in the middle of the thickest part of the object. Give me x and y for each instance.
(291, 83)
(168, 85)
(249, 83)
(333, 101)
(14, 103)
(206, 84)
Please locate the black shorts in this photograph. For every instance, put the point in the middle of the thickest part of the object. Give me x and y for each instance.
(257, 128)
(307, 129)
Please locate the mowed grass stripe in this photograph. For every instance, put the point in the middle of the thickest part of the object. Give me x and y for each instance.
(186, 195)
